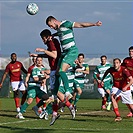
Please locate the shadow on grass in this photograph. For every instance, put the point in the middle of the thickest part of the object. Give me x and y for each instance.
(48, 130)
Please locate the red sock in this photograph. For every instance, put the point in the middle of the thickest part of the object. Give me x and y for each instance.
(103, 102)
(44, 105)
(17, 102)
(67, 103)
(55, 107)
(116, 110)
(37, 99)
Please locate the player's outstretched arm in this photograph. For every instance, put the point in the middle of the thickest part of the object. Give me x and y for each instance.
(86, 24)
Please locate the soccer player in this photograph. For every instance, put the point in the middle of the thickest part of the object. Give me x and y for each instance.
(81, 70)
(128, 63)
(28, 78)
(70, 51)
(106, 89)
(53, 53)
(122, 80)
(14, 69)
(61, 91)
(37, 78)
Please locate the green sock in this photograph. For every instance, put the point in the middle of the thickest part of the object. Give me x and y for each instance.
(71, 100)
(49, 108)
(108, 97)
(24, 107)
(76, 99)
(64, 80)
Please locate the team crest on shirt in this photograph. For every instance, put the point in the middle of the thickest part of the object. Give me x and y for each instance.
(12, 67)
(18, 65)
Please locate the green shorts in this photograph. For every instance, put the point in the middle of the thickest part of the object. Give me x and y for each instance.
(68, 57)
(34, 91)
(62, 90)
(108, 85)
(78, 85)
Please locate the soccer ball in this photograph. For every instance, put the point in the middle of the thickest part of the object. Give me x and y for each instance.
(32, 9)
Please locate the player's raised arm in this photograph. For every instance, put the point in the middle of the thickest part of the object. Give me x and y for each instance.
(86, 24)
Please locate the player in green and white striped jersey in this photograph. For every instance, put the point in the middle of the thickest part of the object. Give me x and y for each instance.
(81, 70)
(70, 51)
(104, 90)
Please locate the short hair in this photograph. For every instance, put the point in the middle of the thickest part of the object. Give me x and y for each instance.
(13, 54)
(45, 33)
(131, 48)
(81, 54)
(117, 59)
(49, 18)
(103, 56)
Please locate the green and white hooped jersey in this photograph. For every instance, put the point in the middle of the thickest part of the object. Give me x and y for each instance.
(100, 70)
(79, 76)
(66, 35)
(36, 72)
(70, 74)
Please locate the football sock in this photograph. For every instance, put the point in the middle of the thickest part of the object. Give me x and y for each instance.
(65, 80)
(17, 102)
(76, 99)
(116, 110)
(49, 108)
(37, 99)
(24, 107)
(103, 102)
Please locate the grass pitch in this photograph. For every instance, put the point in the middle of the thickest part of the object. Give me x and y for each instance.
(89, 119)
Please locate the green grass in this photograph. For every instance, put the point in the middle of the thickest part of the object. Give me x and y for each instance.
(89, 119)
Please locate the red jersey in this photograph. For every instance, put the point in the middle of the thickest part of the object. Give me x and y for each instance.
(30, 68)
(128, 63)
(54, 45)
(120, 78)
(14, 71)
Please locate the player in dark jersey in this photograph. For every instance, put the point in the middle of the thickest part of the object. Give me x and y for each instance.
(14, 69)
(122, 80)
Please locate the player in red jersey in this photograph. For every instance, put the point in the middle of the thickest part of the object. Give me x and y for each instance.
(14, 69)
(53, 53)
(122, 80)
(128, 63)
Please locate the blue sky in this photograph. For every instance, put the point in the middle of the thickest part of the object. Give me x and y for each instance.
(19, 32)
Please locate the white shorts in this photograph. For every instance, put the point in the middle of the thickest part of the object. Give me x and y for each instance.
(44, 88)
(101, 91)
(126, 97)
(18, 85)
(52, 79)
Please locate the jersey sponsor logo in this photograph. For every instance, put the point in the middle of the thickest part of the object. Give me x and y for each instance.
(16, 70)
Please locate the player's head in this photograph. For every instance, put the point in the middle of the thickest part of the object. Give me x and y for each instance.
(52, 22)
(117, 63)
(45, 34)
(103, 59)
(13, 57)
(131, 51)
(39, 61)
(81, 58)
